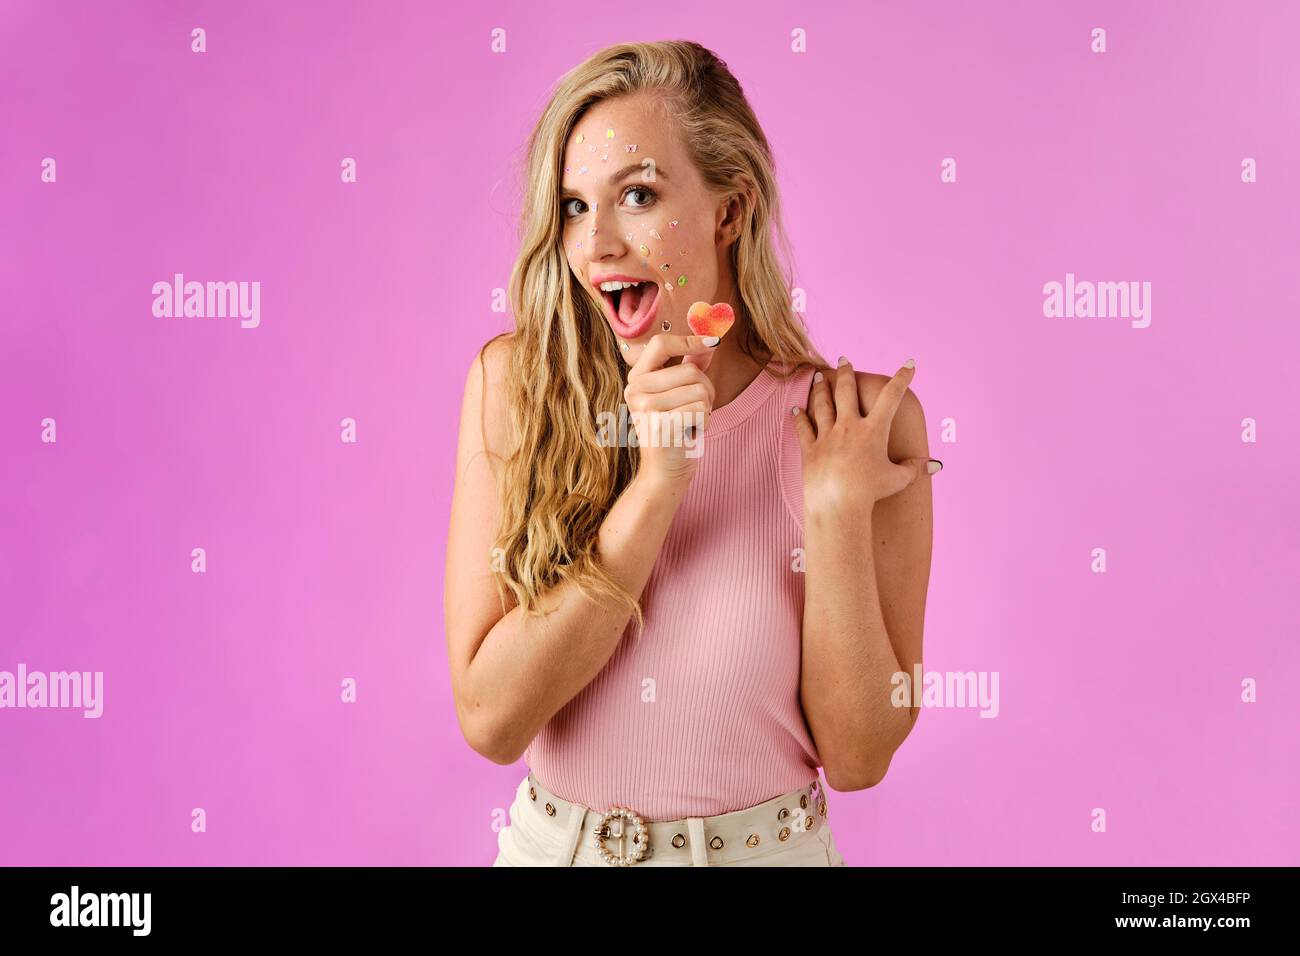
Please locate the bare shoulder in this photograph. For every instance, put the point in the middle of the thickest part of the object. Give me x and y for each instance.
(493, 359)
(484, 413)
(907, 435)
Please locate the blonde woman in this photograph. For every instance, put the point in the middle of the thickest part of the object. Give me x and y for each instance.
(675, 622)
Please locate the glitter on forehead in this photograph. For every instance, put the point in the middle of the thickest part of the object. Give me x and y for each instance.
(605, 158)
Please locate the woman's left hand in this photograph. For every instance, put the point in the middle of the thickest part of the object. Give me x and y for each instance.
(846, 464)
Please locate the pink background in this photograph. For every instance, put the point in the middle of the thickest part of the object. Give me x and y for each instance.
(325, 560)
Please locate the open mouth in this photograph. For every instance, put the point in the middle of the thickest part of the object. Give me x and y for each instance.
(630, 304)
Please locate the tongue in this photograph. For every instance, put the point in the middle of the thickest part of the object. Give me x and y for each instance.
(633, 303)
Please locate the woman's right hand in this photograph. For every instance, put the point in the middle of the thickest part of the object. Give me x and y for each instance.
(670, 405)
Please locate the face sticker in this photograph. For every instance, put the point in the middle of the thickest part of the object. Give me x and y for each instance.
(666, 266)
(681, 280)
(630, 147)
(609, 134)
(654, 234)
(644, 250)
(582, 170)
(672, 224)
(665, 326)
(581, 137)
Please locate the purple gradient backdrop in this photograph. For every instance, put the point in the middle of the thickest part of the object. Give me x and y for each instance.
(325, 559)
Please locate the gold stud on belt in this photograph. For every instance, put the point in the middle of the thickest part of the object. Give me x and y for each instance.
(614, 822)
(678, 841)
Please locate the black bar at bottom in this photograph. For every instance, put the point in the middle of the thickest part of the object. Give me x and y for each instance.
(237, 904)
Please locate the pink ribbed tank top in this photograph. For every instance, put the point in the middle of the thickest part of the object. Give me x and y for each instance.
(701, 714)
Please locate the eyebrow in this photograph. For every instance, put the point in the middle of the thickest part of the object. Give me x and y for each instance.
(624, 173)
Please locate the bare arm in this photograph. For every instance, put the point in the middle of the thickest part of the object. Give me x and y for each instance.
(510, 676)
(868, 573)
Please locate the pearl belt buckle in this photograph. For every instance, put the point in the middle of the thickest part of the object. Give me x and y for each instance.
(615, 822)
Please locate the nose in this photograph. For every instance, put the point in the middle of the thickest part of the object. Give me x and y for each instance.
(606, 244)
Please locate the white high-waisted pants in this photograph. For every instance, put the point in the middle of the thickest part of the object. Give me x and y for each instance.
(789, 830)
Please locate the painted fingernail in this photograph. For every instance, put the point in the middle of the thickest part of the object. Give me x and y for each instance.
(711, 340)
(844, 360)
(817, 377)
(910, 363)
(932, 466)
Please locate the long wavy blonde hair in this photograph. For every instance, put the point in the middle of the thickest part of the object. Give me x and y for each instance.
(559, 480)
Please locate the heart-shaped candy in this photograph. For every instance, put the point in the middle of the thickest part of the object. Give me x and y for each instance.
(705, 319)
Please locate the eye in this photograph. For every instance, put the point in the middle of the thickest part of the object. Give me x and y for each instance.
(649, 193)
(566, 207)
